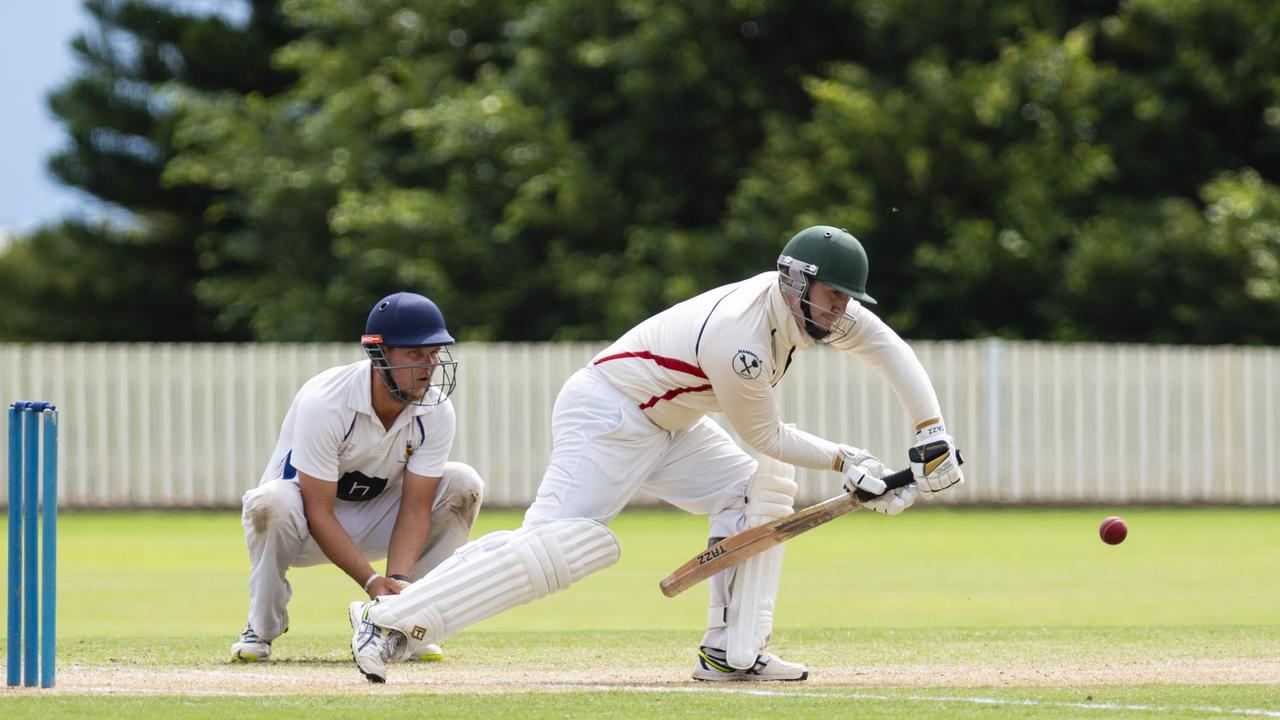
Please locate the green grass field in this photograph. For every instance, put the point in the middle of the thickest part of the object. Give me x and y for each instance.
(943, 613)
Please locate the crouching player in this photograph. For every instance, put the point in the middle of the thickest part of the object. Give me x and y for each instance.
(361, 472)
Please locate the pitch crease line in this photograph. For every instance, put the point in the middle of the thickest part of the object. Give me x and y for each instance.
(1254, 712)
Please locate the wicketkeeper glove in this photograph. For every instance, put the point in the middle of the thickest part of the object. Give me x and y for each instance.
(935, 461)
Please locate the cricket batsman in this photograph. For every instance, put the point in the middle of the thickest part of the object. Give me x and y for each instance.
(636, 418)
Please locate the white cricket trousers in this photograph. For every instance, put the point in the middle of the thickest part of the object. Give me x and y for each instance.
(605, 450)
(275, 530)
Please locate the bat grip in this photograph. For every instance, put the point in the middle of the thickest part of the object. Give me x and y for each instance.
(899, 479)
(893, 482)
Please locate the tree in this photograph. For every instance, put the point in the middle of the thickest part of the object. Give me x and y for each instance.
(561, 169)
(554, 169)
(135, 279)
(1071, 187)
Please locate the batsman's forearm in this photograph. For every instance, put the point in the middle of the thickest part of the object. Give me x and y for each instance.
(408, 539)
(336, 545)
(756, 421)
(881, 348)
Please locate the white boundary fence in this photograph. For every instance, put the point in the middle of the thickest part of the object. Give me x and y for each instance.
(193, 425)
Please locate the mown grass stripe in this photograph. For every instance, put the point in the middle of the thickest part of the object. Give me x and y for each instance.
(760, 692)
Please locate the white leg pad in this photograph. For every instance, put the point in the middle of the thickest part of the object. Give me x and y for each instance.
(770, 495)
(495, 573)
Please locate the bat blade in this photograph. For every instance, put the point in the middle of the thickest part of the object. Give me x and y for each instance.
(741, 545)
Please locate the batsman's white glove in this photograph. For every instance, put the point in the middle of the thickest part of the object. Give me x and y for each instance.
(935, 462)
(894, 501)
(863, 472)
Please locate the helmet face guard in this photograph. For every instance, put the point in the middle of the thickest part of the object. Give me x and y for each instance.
(796, 277)
(442, 374)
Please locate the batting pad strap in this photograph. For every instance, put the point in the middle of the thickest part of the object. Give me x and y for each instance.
(717, 617)
(495, 573)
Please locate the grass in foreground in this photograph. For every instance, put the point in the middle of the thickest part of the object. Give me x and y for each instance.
(821, 648)
(182, 573)
(934, 587)
(1148, 702)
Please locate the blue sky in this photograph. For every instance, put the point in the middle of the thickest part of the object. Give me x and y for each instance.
(35, 57)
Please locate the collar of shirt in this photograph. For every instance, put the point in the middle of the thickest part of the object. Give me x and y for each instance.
(360, 399)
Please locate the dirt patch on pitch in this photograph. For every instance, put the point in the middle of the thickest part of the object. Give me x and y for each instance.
(334, 678)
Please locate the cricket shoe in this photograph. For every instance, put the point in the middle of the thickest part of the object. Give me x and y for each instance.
(712, 667)
(372, 647)
(249, 647)
(428, 653)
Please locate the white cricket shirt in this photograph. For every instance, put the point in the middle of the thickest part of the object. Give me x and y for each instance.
(332, 433)
(724, 350)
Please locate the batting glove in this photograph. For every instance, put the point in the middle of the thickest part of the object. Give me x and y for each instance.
(935, 462)
(894, 501)
(861, 469)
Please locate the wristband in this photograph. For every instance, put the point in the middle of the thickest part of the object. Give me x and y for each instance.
(369, 582)
(398, 576)
(930, 428)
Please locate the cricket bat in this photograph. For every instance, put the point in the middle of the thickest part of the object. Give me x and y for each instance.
(755, 540)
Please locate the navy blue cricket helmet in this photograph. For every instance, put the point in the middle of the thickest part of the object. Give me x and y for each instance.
(409, 320)
(406, 319)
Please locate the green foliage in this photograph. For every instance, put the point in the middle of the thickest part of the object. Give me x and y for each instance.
(1065, 188)
(78, 281)
(561, 169)
(555, 170)
(1175, 271)
(133, 280)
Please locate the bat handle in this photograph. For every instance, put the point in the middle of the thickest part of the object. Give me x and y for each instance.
(899, 479)
(893, 482)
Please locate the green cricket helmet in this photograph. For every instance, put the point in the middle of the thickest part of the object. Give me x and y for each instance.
(829, 255)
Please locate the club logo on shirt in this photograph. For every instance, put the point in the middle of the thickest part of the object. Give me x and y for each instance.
(746, 364)
(358, 487)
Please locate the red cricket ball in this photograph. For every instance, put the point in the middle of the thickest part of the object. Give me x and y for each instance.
(1113, 531)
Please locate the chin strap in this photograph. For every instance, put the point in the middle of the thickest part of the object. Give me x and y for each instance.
(390, 382)
(811, 327)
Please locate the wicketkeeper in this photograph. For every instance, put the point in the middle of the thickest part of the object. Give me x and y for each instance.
(635, 418)
(361, 471)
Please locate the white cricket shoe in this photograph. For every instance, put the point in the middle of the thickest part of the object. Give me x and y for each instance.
(430, 653)
(249, 647)
(712, 667)
(372, 647)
